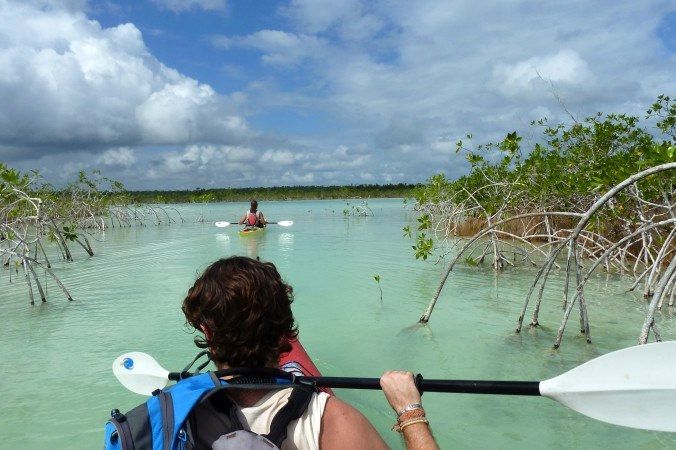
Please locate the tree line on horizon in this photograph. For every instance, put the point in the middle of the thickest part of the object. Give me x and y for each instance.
(200, 195)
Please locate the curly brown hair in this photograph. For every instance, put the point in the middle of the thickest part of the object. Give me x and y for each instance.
(246, 308)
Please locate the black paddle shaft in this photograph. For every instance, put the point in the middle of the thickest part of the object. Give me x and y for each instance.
(457, 386)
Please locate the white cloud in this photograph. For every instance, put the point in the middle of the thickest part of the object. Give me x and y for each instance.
(349, 18)
(123, 156)
(390, 85)
(67, 82)
(278, 157)
(564, 68)
(340, 159)
(204, 158)
(186, 111)
(316, 16)
(201, 165)
(278, 47)
(186, 5)
(444, 146)
(436, 70)
(239, 154)
(290, 177)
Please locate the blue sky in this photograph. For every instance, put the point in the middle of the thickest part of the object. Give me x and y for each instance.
(174, 94)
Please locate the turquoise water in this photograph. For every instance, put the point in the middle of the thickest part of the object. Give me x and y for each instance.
(57, 387)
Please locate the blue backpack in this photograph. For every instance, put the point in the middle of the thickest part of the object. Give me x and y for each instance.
(195, 414)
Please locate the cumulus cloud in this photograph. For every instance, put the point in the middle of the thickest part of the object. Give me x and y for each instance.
(290, 177)
(278, 157)
(123, 156)
(67, 82)
(203, 165)
(565, 68)
(187, 111)
(203, 158)
(374, 91)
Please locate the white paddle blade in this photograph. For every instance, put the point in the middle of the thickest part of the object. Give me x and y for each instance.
(285, 223)
(140, 373)
(633, 387)
(221, 224)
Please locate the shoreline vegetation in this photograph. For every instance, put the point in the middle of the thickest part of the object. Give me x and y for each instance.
(276, 193)
(597, 193)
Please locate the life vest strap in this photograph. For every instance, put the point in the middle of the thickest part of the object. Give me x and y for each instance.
(295, 407)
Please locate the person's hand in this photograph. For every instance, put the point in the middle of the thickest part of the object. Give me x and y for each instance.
(399, 389)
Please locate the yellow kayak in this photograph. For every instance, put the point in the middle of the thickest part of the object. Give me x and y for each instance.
(254, 231)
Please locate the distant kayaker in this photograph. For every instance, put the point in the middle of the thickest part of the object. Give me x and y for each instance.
(253, 217)
(243, 308)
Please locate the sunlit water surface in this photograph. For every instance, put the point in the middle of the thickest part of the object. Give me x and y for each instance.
(57, 388)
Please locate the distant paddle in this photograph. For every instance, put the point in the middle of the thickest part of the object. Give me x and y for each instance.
(633, 387)
(283, 223)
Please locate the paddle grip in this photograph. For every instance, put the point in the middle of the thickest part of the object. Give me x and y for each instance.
(418, 380)
(178, 376)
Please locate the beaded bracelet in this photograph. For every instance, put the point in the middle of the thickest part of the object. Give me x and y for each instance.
(399, 427)
(416, 415)
(412, 414)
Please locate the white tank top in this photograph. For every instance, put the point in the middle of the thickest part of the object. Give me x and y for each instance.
(302, 434)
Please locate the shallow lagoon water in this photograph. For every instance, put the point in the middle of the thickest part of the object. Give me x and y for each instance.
(57, 387)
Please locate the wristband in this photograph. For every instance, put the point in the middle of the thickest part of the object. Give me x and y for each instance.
(412, 414)
(409, 407)
(399, 427)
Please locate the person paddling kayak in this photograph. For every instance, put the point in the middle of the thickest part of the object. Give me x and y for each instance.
(253, 218)
(243, 309)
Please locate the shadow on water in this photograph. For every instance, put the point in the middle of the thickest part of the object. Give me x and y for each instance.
(425, 330)
(413, 328)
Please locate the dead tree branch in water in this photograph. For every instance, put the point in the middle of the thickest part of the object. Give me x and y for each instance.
(601, 188)
(33, 216)
(654, 245)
